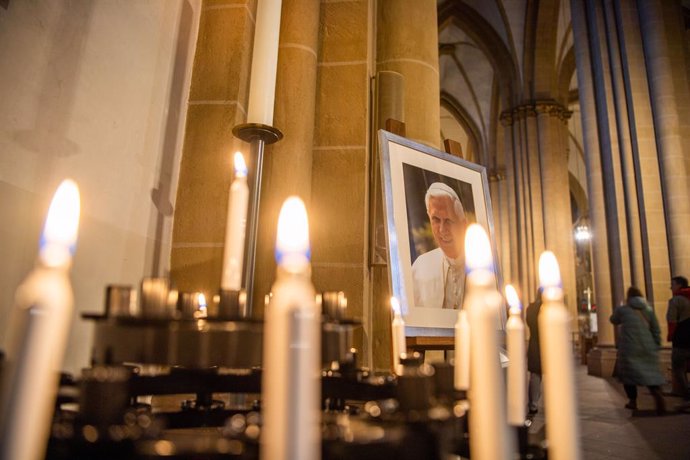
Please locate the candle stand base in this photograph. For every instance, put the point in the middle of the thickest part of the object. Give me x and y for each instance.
(232, 305)
(251, 131)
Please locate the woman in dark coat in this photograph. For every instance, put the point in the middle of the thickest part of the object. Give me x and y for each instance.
(533, 354)
(638, 349)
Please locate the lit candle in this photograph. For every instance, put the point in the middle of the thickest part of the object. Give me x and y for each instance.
(202, 312)
(517, 367)
(488, 428)
(291, 380)
(262, 87)
(562, 432)
(397, 335)
(38, 328)
(462, 351)
(233, 256)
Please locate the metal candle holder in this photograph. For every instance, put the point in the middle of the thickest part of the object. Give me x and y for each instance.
(257, 135)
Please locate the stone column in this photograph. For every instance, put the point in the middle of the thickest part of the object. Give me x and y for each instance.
(595, 181)
(627, 166)
(558, 234)
(511, 198)
(602, 359)
(407, 42)
(217, 99)
(661, 38)
(340, 181)
(645, 158)
(607, 164)
(288, 163)
(534, 188)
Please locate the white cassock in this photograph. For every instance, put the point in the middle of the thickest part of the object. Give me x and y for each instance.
(429, 273)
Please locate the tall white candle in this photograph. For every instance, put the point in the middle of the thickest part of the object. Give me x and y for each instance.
(462, 351)
(291, 380)
(562, 430)
(397, 335)
(517, 365)
(262, 86)
(233, 254)
(38, 328)
(489, 438)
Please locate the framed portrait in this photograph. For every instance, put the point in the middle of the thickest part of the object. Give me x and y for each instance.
(430, 197)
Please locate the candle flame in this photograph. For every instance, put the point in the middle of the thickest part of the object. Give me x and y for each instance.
(240, 165)
(395, 306)
(513, 299)
(201, 300)
(292, 242)
(477, 248)
(59, 237)
(549, 272)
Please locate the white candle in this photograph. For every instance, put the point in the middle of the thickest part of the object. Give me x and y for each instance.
(233, 256)
(517, 366)
(262, 86)
(489, 438)
(38, 328)
(291, 381)
(462, 351)
(397, 335)
(562, 431)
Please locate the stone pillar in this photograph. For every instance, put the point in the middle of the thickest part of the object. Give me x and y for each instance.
(288, 163)
(407, 42)
(511, 199)
(646, 161)
(217, 98)
(608, 171)
(501, 206)
(661, 37)
(558, 229)
(519, 201)
(627, 166)
(389, 94)
(600, 253)
(340, 181)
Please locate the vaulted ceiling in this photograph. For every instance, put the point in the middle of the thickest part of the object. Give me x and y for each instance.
(498, 54)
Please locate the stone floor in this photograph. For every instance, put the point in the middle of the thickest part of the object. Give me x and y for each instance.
(609, 431)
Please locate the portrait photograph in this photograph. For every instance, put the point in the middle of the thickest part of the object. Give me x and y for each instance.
(430, 197)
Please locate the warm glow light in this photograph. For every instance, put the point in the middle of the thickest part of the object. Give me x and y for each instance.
(59, 237)
(240, 165)
(395, 305)
(582, 233)
(201, 300)
(477, 248)
(513, 299)
(292, 242)
(549, 272)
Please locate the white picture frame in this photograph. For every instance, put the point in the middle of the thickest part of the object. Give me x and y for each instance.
(407, 169)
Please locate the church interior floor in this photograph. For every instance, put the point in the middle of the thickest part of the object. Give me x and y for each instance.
(609, 431)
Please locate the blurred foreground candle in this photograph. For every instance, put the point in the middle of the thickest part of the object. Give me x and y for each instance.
(462, 351)
(38, 328)
(489, 438)
(562, 433)
(233, 255)
(262, 87)
(291, 382)
(517, 367)
(397, 335)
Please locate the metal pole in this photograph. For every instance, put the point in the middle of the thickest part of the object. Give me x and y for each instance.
(257, 135)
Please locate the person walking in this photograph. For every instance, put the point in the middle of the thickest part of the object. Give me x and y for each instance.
(533, 355)
(638, 349)
(678, 318)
